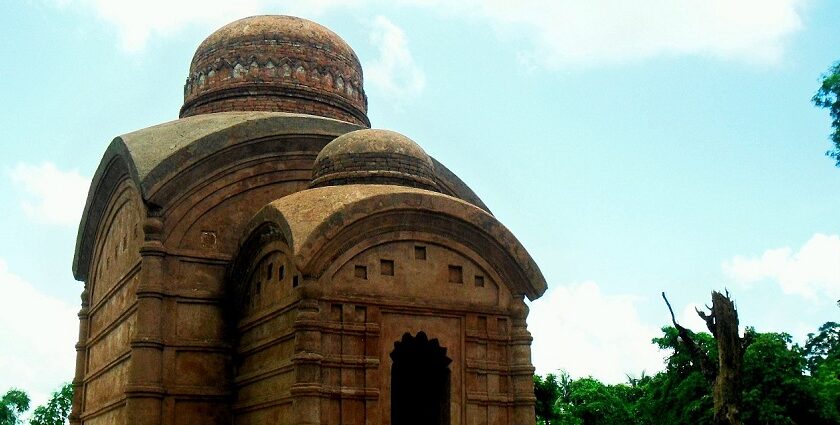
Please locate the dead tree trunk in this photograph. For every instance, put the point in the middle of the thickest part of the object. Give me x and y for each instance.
(725, 380)
(723, 323)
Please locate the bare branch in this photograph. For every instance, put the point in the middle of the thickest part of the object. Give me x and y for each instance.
(709, 319)
(698, 356)
(674, 319)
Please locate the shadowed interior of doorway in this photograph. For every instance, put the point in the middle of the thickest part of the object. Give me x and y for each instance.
(420, 382)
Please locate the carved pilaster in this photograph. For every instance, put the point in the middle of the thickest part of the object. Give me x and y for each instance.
(145, 388)
(81, 359)
(522, 371)
(307, 359)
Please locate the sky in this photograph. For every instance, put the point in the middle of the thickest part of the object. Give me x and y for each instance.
(633, 148)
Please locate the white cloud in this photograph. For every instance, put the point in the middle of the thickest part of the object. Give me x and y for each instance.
(137, 21)
(812, 272)
(556, 33)
(394, 71)
(38, 334)
(572, 32)
(52, 196)
(691, 320)
(586, 332)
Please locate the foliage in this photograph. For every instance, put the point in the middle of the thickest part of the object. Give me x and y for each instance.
(828, 96)
(822, 346)
(57, 409)
(680, 394)
(776, 390)
(822, 354)
(12, 405)
(547, 392)
(782, 384)
(55, 412)
(597, 404)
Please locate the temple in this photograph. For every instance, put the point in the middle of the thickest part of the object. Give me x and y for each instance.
(270, 259)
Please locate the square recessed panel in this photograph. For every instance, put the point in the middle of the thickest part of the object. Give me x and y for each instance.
(479, 281)
(419, 252)
(360, 272)
(456, 274)
(386, 267)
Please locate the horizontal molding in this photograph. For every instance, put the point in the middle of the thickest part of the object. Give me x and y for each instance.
(91, 375)
(253, 377)
(125, 315)
(196, 392)
(122, 281)
(105, 408)
(267, 342)
(343, 360)
(261, 403)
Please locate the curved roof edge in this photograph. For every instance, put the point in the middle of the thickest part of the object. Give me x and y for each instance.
(153, 156)
(450, 181)
(309, 220)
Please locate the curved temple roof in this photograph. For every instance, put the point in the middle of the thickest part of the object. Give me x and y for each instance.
(154, 156)
(310, 219)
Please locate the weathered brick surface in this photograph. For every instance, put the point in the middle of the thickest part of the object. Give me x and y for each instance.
(374, 157)
(279, 64)
(224, 285)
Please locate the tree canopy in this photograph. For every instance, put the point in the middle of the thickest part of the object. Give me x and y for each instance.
(16, 402)
(12, 405)
(828, 96)
(783, 383)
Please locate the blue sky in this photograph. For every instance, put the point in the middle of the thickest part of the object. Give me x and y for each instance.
(663, 146)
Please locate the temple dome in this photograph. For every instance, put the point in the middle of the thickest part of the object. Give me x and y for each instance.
(276, 63)
(373, 156)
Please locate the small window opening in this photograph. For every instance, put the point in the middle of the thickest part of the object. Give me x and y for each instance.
(295, 281)
(269, 271)
(456, 274)
(501, 325)
(281, 272)
(386, 267)
(482, 323)
(360, 272)
(479, 281)
(419, 252)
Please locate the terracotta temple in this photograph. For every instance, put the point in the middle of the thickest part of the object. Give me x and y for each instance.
(269, 259)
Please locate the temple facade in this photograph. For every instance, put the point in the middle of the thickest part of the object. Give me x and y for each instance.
(269, 259)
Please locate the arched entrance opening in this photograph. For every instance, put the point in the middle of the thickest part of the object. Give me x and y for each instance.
(420, 379)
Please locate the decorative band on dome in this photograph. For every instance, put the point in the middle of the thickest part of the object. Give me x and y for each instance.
(374, 168)
(374, 157)
(276, 63)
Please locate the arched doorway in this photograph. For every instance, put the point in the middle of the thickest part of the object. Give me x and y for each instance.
(419, 382)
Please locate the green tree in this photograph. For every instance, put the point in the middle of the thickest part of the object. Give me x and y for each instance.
(681, 393)
(597, 404)
(828, 96)
(776, 391)
(822, 354)
(778, 385)
(826, 380)
(547, 391)
(57, 409)
(823, 345)
(12, 405)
